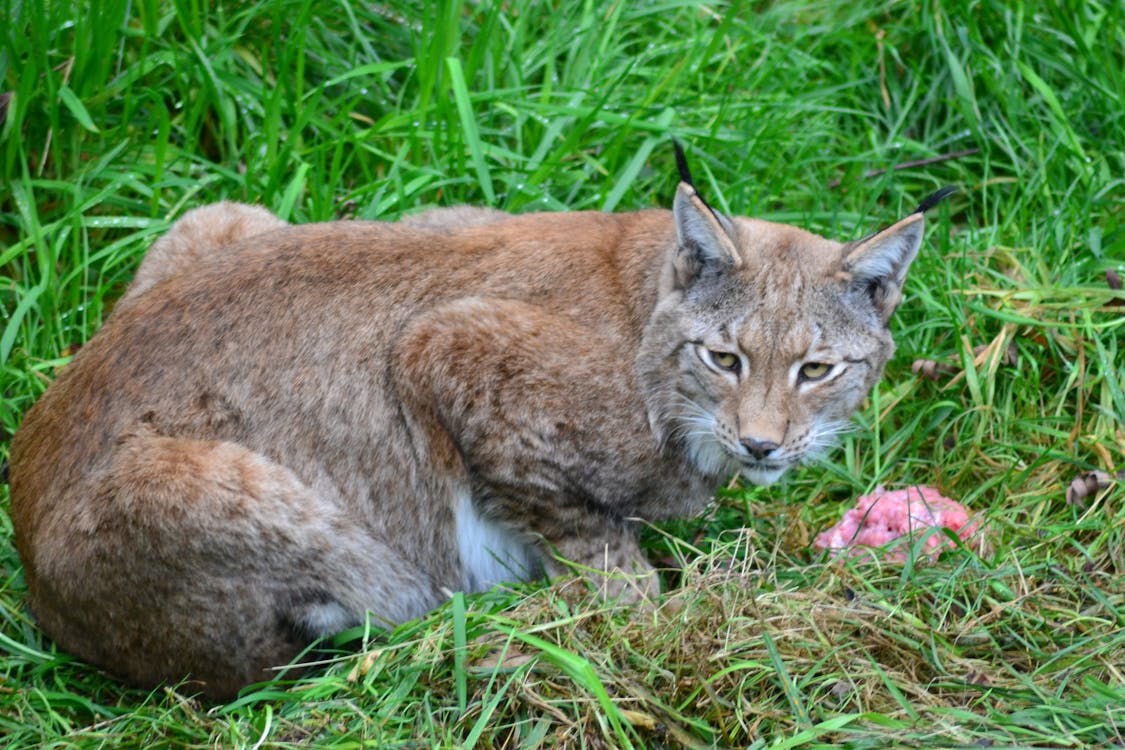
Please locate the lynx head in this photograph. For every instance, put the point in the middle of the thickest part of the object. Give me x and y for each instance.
(766, 338)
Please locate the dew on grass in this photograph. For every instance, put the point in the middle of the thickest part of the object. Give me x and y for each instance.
(115, 222)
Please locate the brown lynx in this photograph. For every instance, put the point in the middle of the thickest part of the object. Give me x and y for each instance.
(283, 428)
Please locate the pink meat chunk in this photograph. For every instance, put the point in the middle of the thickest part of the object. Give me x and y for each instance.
(883, 517)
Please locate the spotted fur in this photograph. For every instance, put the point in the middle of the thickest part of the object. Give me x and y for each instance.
(282, 428)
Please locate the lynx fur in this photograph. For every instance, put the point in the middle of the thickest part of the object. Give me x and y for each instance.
(282, 430)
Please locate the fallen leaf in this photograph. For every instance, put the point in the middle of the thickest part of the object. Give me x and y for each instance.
(1086, 485)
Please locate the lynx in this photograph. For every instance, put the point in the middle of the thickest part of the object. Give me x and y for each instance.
(281, 430)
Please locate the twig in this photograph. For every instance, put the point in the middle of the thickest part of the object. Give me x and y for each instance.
(911, 164)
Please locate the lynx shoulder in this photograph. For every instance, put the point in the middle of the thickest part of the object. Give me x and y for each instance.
(284, 428)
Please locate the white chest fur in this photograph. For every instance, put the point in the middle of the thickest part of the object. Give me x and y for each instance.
(490, 552)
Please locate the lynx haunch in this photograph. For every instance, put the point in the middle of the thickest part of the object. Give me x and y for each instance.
(281, 429)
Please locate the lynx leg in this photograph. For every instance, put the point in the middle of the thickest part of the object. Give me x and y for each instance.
(205, 560)
(195, 238)
(534, 404)
(612, 562)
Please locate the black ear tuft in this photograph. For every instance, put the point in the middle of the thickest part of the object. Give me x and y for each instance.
(936, 198)
(681, 163)
(685, 178)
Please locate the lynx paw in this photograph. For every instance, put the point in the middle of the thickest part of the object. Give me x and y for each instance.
(618, 573)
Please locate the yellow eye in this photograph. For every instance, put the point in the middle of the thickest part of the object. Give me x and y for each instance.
(814, 371)
(725, 360)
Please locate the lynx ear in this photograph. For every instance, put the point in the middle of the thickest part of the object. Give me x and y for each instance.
(878, 264)
(705, 237)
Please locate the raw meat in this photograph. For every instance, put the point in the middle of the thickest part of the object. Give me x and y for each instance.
(883, 517)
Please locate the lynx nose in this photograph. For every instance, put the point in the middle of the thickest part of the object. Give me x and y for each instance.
(759, 448)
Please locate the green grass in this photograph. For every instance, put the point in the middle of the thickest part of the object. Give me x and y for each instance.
(124, 114)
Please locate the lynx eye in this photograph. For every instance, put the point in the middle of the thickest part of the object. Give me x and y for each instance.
(813, 371)
(727, 361)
